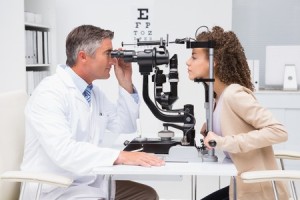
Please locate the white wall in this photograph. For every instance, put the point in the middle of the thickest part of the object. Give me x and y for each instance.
(167, 17)
(12, 46)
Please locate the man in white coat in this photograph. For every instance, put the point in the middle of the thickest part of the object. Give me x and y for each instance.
(66, 118)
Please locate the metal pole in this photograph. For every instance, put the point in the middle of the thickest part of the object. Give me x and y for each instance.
(194, 187)
(23, 186)
(211, 153)
(234, 188)
(38, 192)
(293, 190)
(275, 190)
(211, 88)
(109, 187)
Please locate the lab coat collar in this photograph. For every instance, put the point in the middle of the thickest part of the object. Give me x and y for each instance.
(65, 77)
(78, 81)
(68, 81)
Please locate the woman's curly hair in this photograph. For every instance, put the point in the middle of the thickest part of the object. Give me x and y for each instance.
(229, 57)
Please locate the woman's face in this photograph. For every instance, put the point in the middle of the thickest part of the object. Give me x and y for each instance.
(198, 64)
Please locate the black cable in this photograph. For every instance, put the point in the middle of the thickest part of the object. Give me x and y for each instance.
(199, 29)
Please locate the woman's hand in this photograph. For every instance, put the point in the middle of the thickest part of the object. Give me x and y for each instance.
(204, 130)
(211, 136)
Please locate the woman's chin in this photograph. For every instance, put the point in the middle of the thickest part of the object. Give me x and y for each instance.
(191, 77)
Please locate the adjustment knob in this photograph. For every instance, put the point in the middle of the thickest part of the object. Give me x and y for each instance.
(212, 143)
(166, 134)
(126, 142)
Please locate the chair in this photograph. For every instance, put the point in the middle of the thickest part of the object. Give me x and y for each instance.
(276, 175)
(287, 155)
(272, 175)
(12, 129)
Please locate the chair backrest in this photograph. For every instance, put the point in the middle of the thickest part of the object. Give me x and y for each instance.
(12, 133)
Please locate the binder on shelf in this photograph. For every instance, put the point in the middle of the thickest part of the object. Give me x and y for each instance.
(34, 48)
(30, 82)
(37, 47)
(256, 74)
(40, 54)
(254, 70)
(46, 47)
(34, 78)
(250, 65)
(26, 47)
(29, 47)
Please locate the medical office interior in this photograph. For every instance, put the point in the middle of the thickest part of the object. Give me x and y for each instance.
(269, 31)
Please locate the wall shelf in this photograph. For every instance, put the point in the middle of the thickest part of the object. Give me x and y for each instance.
(27, 25)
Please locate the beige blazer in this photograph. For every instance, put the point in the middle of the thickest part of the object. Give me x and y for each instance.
(249, 132)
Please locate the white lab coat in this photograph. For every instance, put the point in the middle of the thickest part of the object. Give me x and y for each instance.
(64, 134)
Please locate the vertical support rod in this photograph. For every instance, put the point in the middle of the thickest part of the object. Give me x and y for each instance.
(194, 187)
(109, 187)
(23, 186)
(293, 190)
(275, 190)
(211, 152)
(38, 192)
(234, 188)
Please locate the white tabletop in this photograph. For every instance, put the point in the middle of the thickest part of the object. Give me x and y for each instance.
(223, 168)
(170, 170)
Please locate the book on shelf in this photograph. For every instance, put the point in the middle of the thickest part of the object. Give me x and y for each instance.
(46, 47)
(29, 47)
(34, 78)
(37, 47)
(254, 69)
(39, 44)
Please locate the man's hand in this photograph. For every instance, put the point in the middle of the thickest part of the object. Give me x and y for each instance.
(138, 158)
(123, 73)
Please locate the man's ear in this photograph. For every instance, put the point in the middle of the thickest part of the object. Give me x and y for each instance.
(82, 56)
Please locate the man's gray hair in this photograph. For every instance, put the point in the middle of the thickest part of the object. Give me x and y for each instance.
(85, 38)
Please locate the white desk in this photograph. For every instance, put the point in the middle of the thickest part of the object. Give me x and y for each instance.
(221, 168)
